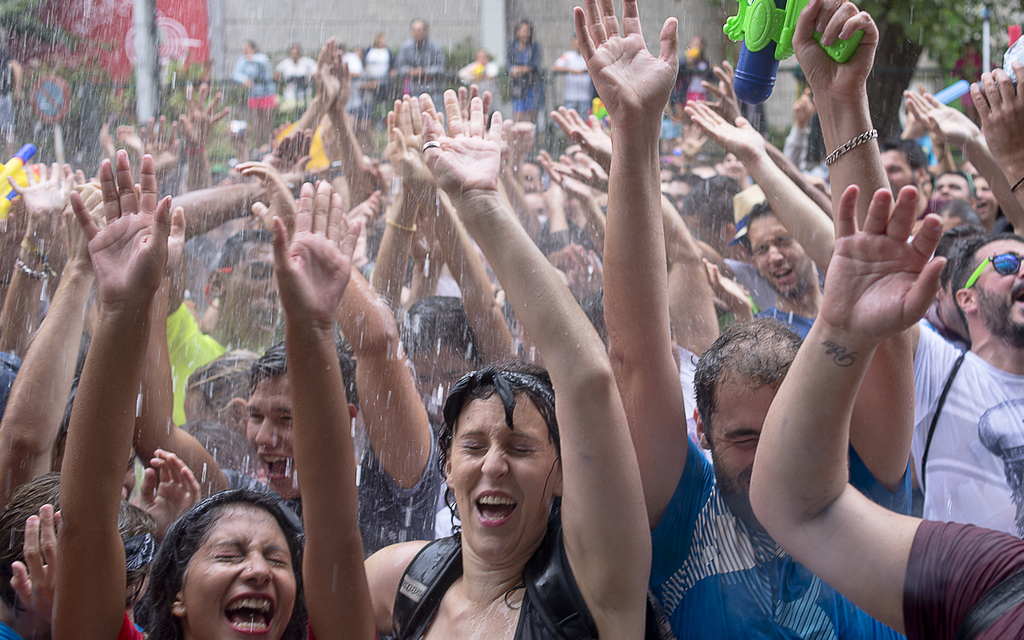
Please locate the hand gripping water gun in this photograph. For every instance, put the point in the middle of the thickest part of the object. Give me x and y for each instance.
(766, 28)
(13, 169)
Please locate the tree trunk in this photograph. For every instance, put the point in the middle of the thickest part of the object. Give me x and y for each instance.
(895, 61)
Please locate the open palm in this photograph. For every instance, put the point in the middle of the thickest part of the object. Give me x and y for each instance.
(627, 76)
(313, 268)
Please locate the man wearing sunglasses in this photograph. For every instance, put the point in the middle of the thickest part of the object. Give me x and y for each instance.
(968, 449)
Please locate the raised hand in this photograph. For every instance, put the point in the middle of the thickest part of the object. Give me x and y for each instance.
(467, 160)
(282, 204)
(333, 82)
(313, 269)
(726, 104)
(743, 140)
(162, 143)
(292, 153)
(35, 579)
(803, 110)
(942, 121)
(46, 196)
(589, 134)
(168, 490)
(836, 20)
(879, 284)
(405, 141)
(129, 253)
(633, 84)
(1001, 108)
(200, 116)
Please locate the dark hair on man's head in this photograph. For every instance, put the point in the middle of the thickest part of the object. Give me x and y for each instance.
(274, 363)
(951, 244)
(45, 489)
(961, 174)
(189, 533)
(510, 379)
(962, 210)
(234, 250)
(966, 260)
(710, 201)
(222, 379)
(912, 151)
(758, 211)
(439, 322)
(756, 353)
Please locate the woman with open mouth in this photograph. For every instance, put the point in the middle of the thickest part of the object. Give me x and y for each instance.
(234, 566)
(553, 541)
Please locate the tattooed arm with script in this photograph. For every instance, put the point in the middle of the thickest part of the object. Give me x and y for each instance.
(878, 285)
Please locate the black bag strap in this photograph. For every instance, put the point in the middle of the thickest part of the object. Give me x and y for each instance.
(935, 418)
(992, 606)
(424, 583)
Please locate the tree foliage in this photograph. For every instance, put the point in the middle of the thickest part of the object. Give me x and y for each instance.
(942, 27)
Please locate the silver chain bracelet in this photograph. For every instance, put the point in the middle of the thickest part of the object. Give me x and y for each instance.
(850, 144)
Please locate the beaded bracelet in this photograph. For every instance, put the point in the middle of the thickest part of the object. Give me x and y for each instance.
(42, 274)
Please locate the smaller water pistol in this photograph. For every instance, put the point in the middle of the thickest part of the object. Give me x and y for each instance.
(597, 108)
(14, 168)
(766, 28)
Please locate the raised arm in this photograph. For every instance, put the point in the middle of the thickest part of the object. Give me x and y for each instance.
(491, 333)
(840, 93)
(44, 199)
(878, 286)
(606, 542)
(29, 425)
(128, 256)
(635, 86)
(810, 226)
(154, 425)
(1001, 108)
(313, 272)
(396, 420)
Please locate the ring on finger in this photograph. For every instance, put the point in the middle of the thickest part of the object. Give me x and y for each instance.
(431, 144)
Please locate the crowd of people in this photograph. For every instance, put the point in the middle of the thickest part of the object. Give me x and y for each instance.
(466, 390)
(380, 74)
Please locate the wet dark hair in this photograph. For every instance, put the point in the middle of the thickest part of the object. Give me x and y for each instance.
(234, 247)
(962, 210)
(758, 211)
(966, 261)
(757, 353)
(912, 151)
(45, 489)
(274, 363)
(188, 534)
(437, 322)
(711, 202)
(951, 245)
(222, 379)
(509, 380)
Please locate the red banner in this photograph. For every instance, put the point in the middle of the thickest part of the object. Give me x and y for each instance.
(108, 28)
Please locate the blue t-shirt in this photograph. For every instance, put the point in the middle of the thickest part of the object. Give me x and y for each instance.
(717, 578)
(799, 325)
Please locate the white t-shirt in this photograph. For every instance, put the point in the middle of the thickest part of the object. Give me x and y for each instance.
(355, 69)
(290, 70)
(377, 63)
(577, 85)
(978, 441)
